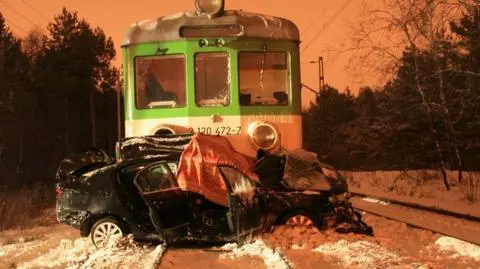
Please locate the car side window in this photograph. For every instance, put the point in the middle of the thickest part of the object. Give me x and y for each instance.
(156, 178)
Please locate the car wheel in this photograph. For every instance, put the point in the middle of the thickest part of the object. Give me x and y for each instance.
(300, 219)
(106, 231)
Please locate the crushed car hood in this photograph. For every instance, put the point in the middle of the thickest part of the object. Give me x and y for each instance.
(303, 171)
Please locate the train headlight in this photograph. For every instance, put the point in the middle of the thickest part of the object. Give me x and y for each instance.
(263, 135)
(210, 7)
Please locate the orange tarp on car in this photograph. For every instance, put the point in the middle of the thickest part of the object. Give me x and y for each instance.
(198, 172)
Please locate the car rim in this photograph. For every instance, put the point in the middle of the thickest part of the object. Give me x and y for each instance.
(300, 220)
(105, 233)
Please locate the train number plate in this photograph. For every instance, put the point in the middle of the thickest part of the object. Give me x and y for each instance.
(220, 130)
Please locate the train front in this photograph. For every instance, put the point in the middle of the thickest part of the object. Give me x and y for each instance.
(229, 73)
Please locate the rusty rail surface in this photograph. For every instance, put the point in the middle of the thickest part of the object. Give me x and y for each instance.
(419, 206)
(461, 226)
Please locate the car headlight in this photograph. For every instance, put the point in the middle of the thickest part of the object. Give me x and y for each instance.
(263, 135)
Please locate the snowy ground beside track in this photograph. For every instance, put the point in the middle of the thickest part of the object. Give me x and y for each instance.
(395, 245)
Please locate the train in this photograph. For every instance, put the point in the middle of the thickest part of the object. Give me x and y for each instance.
(217, 72)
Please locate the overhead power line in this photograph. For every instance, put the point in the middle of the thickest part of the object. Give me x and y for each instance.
(19, 14)
(16, 26)
(36, 10)
(328, 23)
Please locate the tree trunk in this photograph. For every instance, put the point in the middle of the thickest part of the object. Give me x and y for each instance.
(451, 130)
(429, 119)
(20, 157)
(92, 118)
(66, 142)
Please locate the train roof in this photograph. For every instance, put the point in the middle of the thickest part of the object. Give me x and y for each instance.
(170, 28)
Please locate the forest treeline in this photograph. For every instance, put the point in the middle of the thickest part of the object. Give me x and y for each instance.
(57, 96)
(426, 116)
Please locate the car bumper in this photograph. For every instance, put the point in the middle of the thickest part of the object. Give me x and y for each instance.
(70, 216)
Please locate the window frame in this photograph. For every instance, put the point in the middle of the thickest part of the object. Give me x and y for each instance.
(229, 77)
(135, 81)
(147, 169)
(289, 89)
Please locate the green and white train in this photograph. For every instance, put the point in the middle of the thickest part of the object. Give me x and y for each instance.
(215, 71)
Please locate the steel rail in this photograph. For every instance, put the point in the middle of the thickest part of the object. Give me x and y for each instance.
(453, 224)
(420, 207)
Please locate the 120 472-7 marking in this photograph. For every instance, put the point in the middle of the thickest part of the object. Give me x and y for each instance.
(220, 130)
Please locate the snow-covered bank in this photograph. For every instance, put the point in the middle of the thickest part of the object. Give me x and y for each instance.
(461, 248)
(359, 254)
(81, 254)
(273, 259)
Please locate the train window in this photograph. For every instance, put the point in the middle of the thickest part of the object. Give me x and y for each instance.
(160, 81)
(263, 78)
(212, 79)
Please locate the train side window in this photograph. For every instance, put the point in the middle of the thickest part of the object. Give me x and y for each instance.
(263, 78)
(212, 79)
(160, 81)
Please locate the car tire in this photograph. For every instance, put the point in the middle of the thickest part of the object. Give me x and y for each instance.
(105, 230)
(301, 218)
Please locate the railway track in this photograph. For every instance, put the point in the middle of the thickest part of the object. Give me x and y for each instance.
(461, 226)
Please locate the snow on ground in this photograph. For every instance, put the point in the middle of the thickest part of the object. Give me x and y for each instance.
(359, 254)
(461, 248)
(19, 248)
(273, 259)
(81, 253)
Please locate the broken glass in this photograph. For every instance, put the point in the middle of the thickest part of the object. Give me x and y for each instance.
(263, 78)
(160, 81)
(212, 81)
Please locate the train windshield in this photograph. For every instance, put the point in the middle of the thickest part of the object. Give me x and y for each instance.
(212, 79)
(160, 81)
(263, 78)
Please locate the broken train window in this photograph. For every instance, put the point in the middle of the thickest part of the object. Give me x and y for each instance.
(212, 79)
(160, 81)
(263, 78)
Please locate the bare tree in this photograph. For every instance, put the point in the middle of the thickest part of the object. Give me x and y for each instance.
(380, 37)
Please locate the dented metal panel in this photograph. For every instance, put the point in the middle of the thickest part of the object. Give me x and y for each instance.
(251, 25)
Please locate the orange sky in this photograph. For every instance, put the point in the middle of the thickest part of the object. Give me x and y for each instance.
(114, 17)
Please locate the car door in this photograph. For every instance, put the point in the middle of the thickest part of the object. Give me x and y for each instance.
(246, 205)
(166, 201)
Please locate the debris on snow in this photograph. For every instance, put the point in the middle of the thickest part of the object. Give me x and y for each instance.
(376, 201)
(68, 253)
(81, 254)
(19, 248)
(462, 248)
(360, 254)
(273, 259)
(298, 247)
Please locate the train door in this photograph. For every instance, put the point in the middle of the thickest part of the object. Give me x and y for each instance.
(216, 110)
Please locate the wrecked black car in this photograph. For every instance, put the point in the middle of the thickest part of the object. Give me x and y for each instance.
(183, 187)
(299, 190)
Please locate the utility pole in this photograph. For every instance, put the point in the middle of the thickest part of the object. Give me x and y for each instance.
(321, 75)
